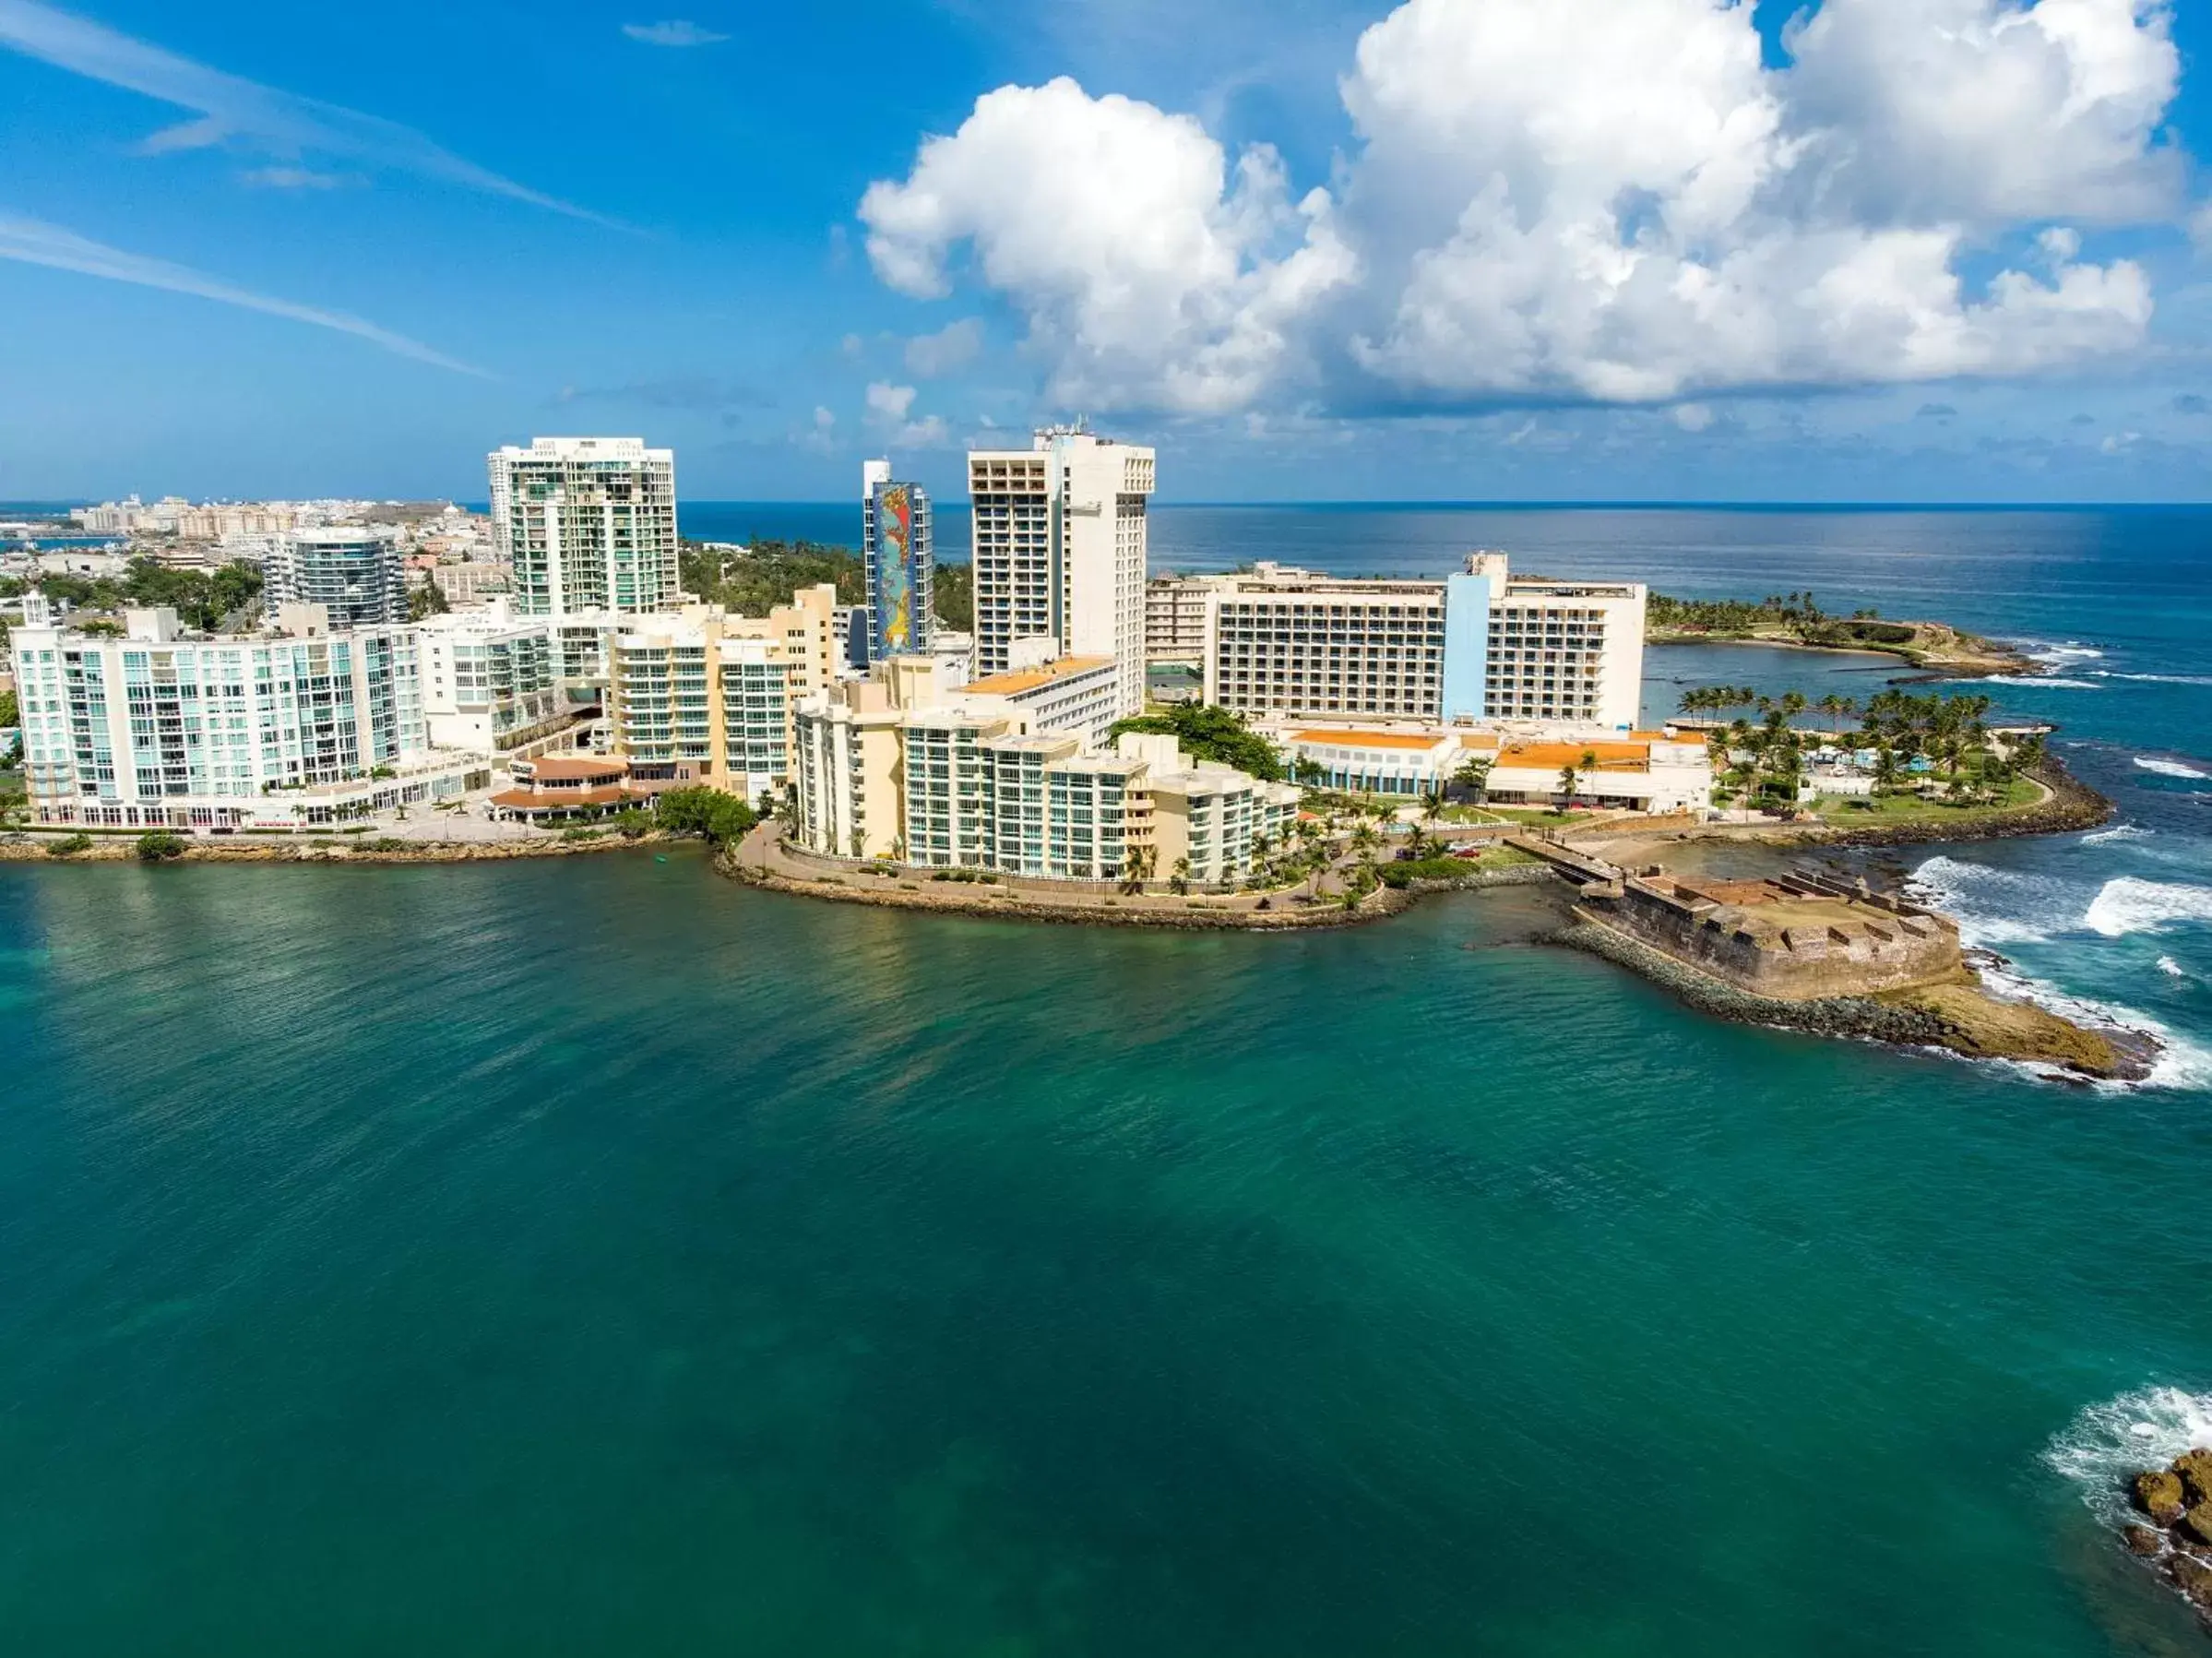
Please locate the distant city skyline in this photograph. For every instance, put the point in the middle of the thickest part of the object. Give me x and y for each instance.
(1903, 251)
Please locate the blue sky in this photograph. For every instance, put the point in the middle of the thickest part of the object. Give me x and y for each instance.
(1453, 249)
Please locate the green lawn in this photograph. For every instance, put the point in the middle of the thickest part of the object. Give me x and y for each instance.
(1910, 808)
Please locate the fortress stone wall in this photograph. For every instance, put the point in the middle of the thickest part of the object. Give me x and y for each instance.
(1795, 938)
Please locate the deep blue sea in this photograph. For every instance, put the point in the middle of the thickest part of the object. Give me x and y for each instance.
(589, 1257)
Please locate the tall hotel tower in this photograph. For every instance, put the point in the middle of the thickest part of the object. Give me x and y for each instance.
(901, 562)
(1060, 552)
(590, 523)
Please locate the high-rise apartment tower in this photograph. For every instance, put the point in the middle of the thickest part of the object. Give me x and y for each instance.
(899, 553)
(1060, 552)
(590, 524)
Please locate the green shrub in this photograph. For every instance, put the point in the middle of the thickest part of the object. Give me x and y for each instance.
(385, 843)
(158, 846)
(69, 846)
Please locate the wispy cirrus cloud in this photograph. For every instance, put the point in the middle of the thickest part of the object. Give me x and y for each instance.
(34, 242)
(290, 178)
(241, 113)
(676, 31)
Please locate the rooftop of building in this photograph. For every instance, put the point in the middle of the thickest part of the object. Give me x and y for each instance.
(1031, 679)
(1555, 757)
(1372, 739)
(553, 769)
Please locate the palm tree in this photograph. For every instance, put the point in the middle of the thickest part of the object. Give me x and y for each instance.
(1474, 773)
(1567, 780)
(1136, 868)
(1179, 882)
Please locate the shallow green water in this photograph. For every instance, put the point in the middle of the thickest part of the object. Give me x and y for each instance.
(593, 1257)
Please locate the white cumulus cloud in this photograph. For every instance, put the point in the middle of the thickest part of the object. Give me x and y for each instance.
(1615, 201)
(1148, 269)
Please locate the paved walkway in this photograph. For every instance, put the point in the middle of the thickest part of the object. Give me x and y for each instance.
(764, 851)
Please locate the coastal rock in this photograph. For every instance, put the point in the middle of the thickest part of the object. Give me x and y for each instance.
(2195, 1526)
(2158, 1494)
(2194, 1579)
(2142, 1540)
(2194, 1467)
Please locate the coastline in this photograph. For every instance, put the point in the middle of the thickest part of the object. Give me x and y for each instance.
(1981, 659)
(1960, 1018)
(123, 849)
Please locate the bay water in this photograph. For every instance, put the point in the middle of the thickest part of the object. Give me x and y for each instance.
(592, 1256)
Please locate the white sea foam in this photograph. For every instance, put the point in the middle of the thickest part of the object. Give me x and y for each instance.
(1995, 906)
(2109, 1443)
(2181, 1065)
(2172, 768)
(2173, 969)
(2129, 904)
(2048, 682)
(2068, 652)
(2119, 831)
(2158, 679)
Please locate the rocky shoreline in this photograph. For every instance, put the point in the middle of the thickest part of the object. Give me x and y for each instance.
(123, 849)
(1937, 649)
(1960, 1018)
(2177, 1501)
(959, 899)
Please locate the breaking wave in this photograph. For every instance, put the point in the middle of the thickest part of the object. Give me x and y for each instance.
(2171, 968)
(2120, 832)
(2048, 682)
(1995, 906)
(2129, 904)
(2172, 768)
(2108, 1443)
(2157, 679)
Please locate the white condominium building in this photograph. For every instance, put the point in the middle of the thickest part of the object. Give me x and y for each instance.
(497, 683)
(353, 573)
(159, 728)
(1059, 540)
(587, 523)
(1283, 643)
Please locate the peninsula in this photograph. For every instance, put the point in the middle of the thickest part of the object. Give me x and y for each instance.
(1797, 621)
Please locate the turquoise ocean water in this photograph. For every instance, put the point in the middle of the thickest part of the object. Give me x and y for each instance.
(593, 1257)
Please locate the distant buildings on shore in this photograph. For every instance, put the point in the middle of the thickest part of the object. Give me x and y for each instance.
(886, 734)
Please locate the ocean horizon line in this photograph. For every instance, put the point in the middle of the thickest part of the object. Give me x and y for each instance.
(62, 504)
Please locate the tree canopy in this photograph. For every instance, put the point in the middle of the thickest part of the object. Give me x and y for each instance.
(200, 600)
(1209, 733)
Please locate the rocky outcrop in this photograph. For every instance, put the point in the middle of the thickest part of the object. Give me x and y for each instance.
(2158, 1493)
(2192, 1578)
(2196, 1525)
(1901, 1021)
(2179, 1543)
